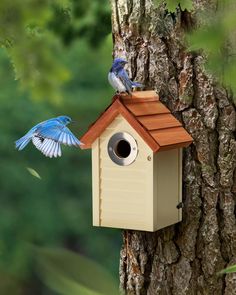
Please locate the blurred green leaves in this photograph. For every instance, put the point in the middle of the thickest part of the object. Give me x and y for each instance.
(32, 49)
(68, 273)
(37, 65)
(216, 37)
(55, 212)
(87, 19)
(34, 33)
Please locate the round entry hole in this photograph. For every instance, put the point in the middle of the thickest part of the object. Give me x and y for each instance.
(123, 149)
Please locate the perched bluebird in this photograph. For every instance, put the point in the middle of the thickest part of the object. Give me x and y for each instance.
(119, 79)
(48, 136)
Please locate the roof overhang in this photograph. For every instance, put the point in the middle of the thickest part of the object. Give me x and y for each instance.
(148, 116)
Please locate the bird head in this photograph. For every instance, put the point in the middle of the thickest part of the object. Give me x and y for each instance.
(118, 63)
(64, 119)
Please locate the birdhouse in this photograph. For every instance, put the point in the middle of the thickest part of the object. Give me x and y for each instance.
(136, 163)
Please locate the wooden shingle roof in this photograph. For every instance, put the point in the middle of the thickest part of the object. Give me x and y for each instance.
(151, 119)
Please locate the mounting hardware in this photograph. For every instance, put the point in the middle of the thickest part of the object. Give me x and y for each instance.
(180, 205)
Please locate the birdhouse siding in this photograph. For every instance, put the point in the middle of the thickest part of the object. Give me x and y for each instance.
(122, 195)
(167, 187)
(95, 182)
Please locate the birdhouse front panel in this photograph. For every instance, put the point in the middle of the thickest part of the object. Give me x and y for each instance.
(137, 163)
(122, 192)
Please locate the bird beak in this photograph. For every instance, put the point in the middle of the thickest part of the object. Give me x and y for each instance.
(74, 122)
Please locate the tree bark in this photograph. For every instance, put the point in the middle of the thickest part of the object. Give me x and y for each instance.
(184, 258)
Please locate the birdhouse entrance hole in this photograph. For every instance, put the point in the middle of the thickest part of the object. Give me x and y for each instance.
(122, 148)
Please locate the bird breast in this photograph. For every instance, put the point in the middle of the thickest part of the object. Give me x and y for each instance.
(116, 82)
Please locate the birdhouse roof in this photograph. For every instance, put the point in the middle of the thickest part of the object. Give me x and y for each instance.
(151, 119)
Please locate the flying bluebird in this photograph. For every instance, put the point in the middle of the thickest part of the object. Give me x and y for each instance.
(48, 136)
(119, 79)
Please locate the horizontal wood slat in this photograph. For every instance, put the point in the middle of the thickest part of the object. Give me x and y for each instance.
(106, 162)
(151, 108)
(118, 172)
(131, 119)
(128, 184)
(171, 136)
(116, 206)
(123, 215)
(162, 121)
(122, 194)
(122, 222)
(175, 146)
(140, 96)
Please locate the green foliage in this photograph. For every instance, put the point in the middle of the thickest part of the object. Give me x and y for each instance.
(31, 48)
(34, 33)
(57, 210)
(172, 5)
(68, 273)
(88, 19)
(227, 270)
(216, 37)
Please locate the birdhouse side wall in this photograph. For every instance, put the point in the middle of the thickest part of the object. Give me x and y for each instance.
(122, 195)
(167, 188)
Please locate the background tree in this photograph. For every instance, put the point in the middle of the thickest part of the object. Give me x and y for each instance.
(184, 258)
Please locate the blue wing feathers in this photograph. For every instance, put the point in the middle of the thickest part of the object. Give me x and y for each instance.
(123, 76)
(48, 136)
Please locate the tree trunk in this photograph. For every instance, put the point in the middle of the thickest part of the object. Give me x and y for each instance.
(184, 258)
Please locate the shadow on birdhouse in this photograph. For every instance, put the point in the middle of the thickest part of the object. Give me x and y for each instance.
(137, 164)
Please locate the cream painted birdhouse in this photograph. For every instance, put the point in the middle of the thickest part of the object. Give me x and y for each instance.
(136, 163)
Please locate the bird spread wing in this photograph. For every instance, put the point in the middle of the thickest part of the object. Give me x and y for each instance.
(68, 138)
(59, 133)
(49, 136)
(48, 147)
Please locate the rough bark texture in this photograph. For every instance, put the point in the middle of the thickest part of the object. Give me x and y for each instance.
(184, 258)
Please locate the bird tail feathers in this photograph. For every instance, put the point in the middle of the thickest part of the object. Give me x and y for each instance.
(136, 84)
(22, 142)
